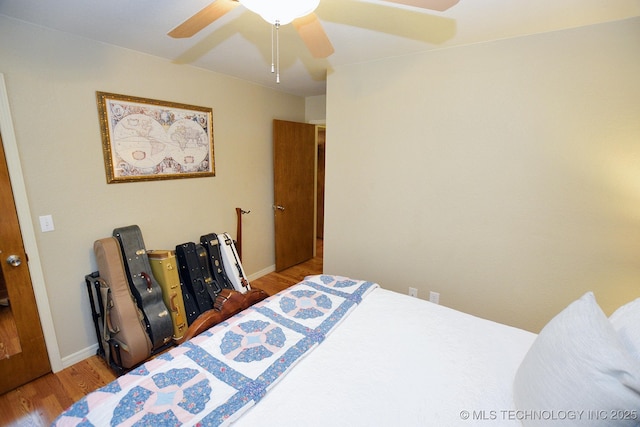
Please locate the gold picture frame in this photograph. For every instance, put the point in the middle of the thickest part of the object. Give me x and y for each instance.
(147, 139)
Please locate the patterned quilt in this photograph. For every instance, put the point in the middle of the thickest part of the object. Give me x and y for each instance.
(215, 377)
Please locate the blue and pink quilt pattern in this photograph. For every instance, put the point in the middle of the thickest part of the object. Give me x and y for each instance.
(215, 377)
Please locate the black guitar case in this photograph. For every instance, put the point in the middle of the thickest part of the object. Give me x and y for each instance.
(144, 287)
(190, 307)
(212, 286)
(211, 244)
(193, 276)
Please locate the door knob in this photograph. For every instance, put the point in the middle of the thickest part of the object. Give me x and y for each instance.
(14, 260)
(278, 207)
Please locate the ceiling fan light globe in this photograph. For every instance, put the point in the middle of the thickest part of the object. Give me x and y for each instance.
(281, 11)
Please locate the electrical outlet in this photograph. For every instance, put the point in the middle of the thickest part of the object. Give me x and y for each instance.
(413, 292)
(434, 297)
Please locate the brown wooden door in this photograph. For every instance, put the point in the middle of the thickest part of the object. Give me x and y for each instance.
(27, 359)
(294, 154)
(321, 141)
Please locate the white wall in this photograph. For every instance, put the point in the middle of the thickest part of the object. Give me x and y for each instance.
(504, 175)
(315, 108)
(51, 79)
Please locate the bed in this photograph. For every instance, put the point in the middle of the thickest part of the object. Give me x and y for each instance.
(334, 351)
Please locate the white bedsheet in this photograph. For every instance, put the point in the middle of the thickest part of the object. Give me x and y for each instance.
(428, 366)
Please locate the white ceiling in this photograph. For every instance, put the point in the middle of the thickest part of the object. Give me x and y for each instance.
(239, 44)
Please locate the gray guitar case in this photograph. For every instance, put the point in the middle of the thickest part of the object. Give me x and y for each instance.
(144, 287)
(123, 322)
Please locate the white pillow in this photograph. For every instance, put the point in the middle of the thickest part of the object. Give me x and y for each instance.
(577, 372)
(626, 322)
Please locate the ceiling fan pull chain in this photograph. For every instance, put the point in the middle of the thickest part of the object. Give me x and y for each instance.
(277, 51)
(273, 68)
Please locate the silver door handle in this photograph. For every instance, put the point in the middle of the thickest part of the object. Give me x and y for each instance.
(14, 260)
(278, 207)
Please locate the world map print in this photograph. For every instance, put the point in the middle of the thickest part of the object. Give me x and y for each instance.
(148, 140)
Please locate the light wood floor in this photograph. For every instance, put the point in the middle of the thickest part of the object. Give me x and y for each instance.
(39, 402)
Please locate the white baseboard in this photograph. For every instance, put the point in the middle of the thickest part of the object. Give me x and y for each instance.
(262, 272)
(79, 356)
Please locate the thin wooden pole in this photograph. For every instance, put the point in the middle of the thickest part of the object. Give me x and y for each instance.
(239, 213)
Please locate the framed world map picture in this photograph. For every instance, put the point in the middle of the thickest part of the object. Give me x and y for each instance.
(146, 139)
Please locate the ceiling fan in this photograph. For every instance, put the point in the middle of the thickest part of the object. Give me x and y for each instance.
(281, 12)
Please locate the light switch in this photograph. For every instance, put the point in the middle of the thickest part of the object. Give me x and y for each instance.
(46, 223)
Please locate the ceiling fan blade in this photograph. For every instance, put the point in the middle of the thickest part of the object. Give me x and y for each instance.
(313, 35)
(439, 5)
(206, 16)
(385, 17)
